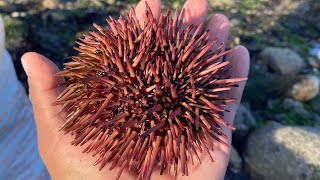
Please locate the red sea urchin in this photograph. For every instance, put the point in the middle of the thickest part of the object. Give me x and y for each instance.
(146, 96)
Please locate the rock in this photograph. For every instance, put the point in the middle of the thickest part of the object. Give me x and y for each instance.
(283, 152)
(282, 60)
(111, 2)
(73, 5)
(222, 4)
(309, 12)
(55, 15)
(305, 88)
(315, 104)
(230, 175)
(235, 163)
(292, 112)
(296, 107)
(290, 104)
(19, 5)
(313, 62)
(50, 4)
(244, 120)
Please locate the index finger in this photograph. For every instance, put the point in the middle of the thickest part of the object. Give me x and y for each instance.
(218, 26)
(239, 61)
(155, 6)
(195, 12)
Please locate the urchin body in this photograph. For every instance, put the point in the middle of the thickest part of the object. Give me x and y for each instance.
(147, 96)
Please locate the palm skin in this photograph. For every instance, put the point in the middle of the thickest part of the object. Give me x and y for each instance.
(64, 161)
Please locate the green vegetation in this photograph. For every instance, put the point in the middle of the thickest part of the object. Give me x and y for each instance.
(16, 31)
(285, 116)
(249, 6)
(260, 122)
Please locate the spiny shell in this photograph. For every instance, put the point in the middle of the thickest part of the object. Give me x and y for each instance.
(146, 95)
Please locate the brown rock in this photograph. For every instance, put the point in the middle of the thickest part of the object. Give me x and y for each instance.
(284, 152)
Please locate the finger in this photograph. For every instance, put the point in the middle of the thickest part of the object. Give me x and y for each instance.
(218, 26)
(155, 6)
(195, 12)
(43, 89)
(239, 61)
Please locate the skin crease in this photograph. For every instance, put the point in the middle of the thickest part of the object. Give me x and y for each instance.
(64, 161)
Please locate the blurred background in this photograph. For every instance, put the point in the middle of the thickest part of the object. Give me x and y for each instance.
(278, 122)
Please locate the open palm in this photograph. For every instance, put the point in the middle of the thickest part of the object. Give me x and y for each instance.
(64, 161)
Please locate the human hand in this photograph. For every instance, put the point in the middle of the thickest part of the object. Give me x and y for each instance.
(64, 161)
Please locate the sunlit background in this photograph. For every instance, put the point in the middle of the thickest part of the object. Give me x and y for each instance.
(278, 122)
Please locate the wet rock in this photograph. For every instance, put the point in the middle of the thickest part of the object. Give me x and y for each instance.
(309, 12)
(314, 63)
(222, 4)
(235, 163)
(55, 15)
(283, 152)
(73, 5)
(282, 60)
(305, 88)
(19, 5)
(230, 175)
(50, 4)
(110, 2)
(306, 113)
(244, 120)
(296, 107)
(291, 112)
(315, 104)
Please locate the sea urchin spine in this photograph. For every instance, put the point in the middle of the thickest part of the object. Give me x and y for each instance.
(146, 96)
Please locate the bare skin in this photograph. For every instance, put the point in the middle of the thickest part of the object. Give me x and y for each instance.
(64, 161)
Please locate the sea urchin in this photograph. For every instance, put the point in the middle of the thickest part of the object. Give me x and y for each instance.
(147, 96)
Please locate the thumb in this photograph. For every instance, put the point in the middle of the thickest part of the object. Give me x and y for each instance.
(42, 90)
